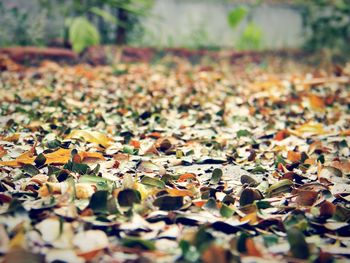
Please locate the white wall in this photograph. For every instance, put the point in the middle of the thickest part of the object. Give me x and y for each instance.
(189, 21)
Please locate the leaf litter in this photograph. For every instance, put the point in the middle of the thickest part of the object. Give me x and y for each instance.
(173, 163)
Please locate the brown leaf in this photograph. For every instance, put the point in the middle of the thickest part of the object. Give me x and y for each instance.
(306, 198)
(327, 209)
(214, 254)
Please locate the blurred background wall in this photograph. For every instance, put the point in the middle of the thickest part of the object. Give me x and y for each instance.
(172, 23)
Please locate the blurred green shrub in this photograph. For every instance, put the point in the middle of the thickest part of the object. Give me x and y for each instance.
(82, 34)
(251, 36)
(18, 27)
(327, 25)
(92, 22)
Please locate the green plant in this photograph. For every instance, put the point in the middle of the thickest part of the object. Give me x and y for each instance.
(251, 36)
(236, 16)
(327, 25)
(82, 34)
(92, 22)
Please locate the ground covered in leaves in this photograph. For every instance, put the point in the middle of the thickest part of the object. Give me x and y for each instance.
(174, 162)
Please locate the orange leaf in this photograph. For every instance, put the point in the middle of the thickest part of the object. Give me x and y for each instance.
(94, 155)
(135, 143)
(317, 103)
(280, 135)
(293, 156)
(199, 203)
(154, 135)
(186, 176)
(345, 133)
(251, 248)
(3, 152)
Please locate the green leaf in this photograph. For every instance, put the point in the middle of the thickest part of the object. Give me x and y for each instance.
(298, 245)
(152, 182)
(129, 149)
(169, 203)
(83, 34)
(296, 220)
(281, 186)
(263, 204)
(30, 169)
(279, 159)
(270, 240)
(128, 197)
(243, 133)
(138, 243)
(258, 170)
(100, 183)
(251, 38)
(236, 16)
(53, 144)
(341, 213)
(98, 202)
(241, 243)
(40, 160)
(247, 180)
(226, 211)
(216, 176)
(203, 239)
(79, 168)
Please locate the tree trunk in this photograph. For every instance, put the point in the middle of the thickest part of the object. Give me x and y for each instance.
(121, 30)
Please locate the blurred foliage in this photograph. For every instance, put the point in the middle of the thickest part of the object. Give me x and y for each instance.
(236, 16)
(82, 34)
(251, 37)
(90, 22)
(19, 27)
(327, 25)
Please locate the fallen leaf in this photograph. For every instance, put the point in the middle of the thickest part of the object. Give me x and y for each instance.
(91, 136)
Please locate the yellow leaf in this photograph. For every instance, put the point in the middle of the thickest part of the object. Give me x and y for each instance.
(317, 103)
(91, 136)
(12, 138)
(61, 156)
(18, 240)
(178, 192)
(309, 128)
(252, 218)
(94, 155)
(24, 158)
